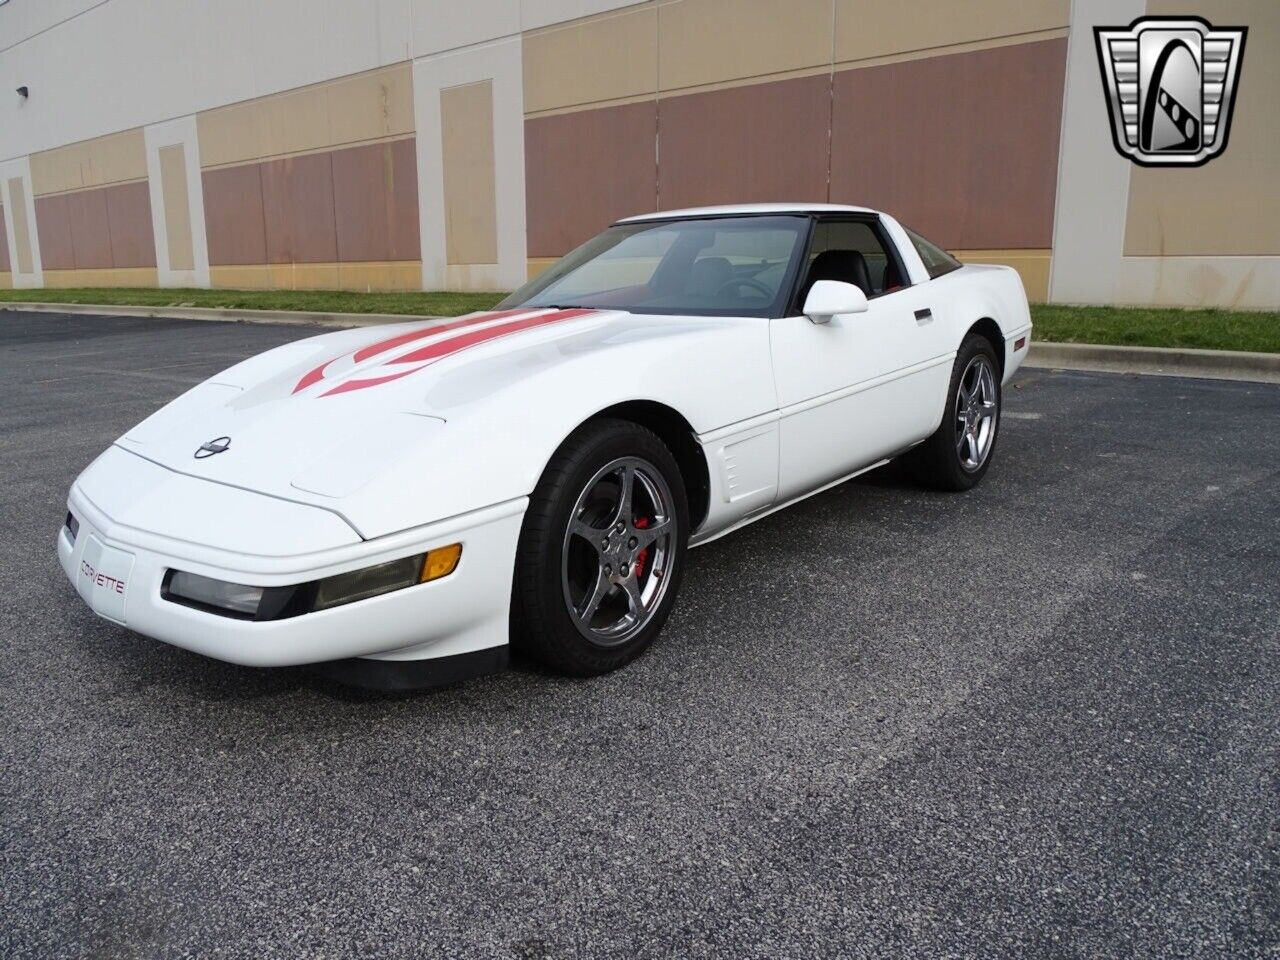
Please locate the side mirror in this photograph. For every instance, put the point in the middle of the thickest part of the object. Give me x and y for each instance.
(830, 298)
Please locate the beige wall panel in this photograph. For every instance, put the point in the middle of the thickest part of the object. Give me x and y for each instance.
(1230, 206)
(397, 275)
(588, 61)
(177, 206)
(471, 220)
(711, 41)
(394, 275)
(4, 245)
(92, 163)
(6, 280)
(351, 110)
(107, 277)
(21, 227)
(371, 106)
(539, 264)
(293, 122)
(878, 28)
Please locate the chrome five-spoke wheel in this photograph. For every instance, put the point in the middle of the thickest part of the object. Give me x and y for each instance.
(618, 551)
(977, 413)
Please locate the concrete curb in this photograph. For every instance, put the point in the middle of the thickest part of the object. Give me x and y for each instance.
(1157, 361)
(225, 315)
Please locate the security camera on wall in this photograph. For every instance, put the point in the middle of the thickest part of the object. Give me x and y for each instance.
(22, 92)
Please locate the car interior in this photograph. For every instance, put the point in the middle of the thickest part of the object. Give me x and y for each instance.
(730, 266)
(851, 252)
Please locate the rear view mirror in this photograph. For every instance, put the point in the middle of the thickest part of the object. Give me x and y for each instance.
(830, 298)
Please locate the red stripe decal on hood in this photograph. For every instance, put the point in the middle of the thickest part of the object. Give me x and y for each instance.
(443, 348)
(364, 353)
(434, 351)
(371, 382)
(313, 377)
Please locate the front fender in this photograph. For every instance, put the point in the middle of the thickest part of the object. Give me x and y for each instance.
(505, 415)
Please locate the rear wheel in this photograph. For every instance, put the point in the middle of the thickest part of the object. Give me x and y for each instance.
(601, 550)
(958, 454)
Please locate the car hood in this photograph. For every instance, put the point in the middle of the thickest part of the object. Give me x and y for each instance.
(353, 420)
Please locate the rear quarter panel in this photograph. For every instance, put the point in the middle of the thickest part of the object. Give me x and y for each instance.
(984, 291)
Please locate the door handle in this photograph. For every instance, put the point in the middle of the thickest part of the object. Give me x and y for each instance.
(924, 316)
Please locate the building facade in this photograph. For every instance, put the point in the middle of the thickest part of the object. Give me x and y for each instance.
(439, 144)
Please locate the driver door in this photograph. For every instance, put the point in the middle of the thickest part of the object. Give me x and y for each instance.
(863, 386)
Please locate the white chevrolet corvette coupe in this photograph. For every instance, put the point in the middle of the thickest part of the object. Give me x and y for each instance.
(401, 504)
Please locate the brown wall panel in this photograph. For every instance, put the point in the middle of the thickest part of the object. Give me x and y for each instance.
(746, 144)
(4, 245)
(99, 229)
(90, 229)
(375, 190)
(298, 209)
(963, 148)
(585, 170)
(233, 216)
(53, 227)
(133, 242)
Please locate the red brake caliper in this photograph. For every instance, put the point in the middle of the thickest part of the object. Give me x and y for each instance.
(642, 557)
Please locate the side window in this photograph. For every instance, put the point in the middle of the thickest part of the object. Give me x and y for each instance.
(936, 260)
(856, 252)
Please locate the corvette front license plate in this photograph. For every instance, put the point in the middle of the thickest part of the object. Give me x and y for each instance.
(103, 578)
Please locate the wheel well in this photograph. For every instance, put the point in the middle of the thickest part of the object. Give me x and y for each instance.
(989, 329)
(680, 438)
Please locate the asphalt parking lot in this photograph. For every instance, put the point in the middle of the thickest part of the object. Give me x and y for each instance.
(1041, 719)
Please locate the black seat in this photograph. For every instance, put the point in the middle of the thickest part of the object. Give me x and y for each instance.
(848, 266)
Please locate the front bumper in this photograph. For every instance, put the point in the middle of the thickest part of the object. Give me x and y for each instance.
(119, 568)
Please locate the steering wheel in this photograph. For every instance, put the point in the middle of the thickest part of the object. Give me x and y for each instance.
(746, 282)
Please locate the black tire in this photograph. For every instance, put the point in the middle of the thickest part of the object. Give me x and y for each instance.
(543, 627)
(938, 462)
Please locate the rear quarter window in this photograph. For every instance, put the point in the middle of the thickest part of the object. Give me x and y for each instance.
(936, 260)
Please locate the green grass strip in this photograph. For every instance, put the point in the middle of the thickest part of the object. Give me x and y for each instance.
(1257, 331)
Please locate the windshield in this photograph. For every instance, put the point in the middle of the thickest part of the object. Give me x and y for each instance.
(727, 266)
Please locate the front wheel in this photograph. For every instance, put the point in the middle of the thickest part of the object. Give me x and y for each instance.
(601, 551)
(958, 454)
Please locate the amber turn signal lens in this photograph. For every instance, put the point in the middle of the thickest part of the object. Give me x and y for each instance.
(440, 562)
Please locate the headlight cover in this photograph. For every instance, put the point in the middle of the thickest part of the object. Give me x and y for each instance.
(207, 592)
(246, 602)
